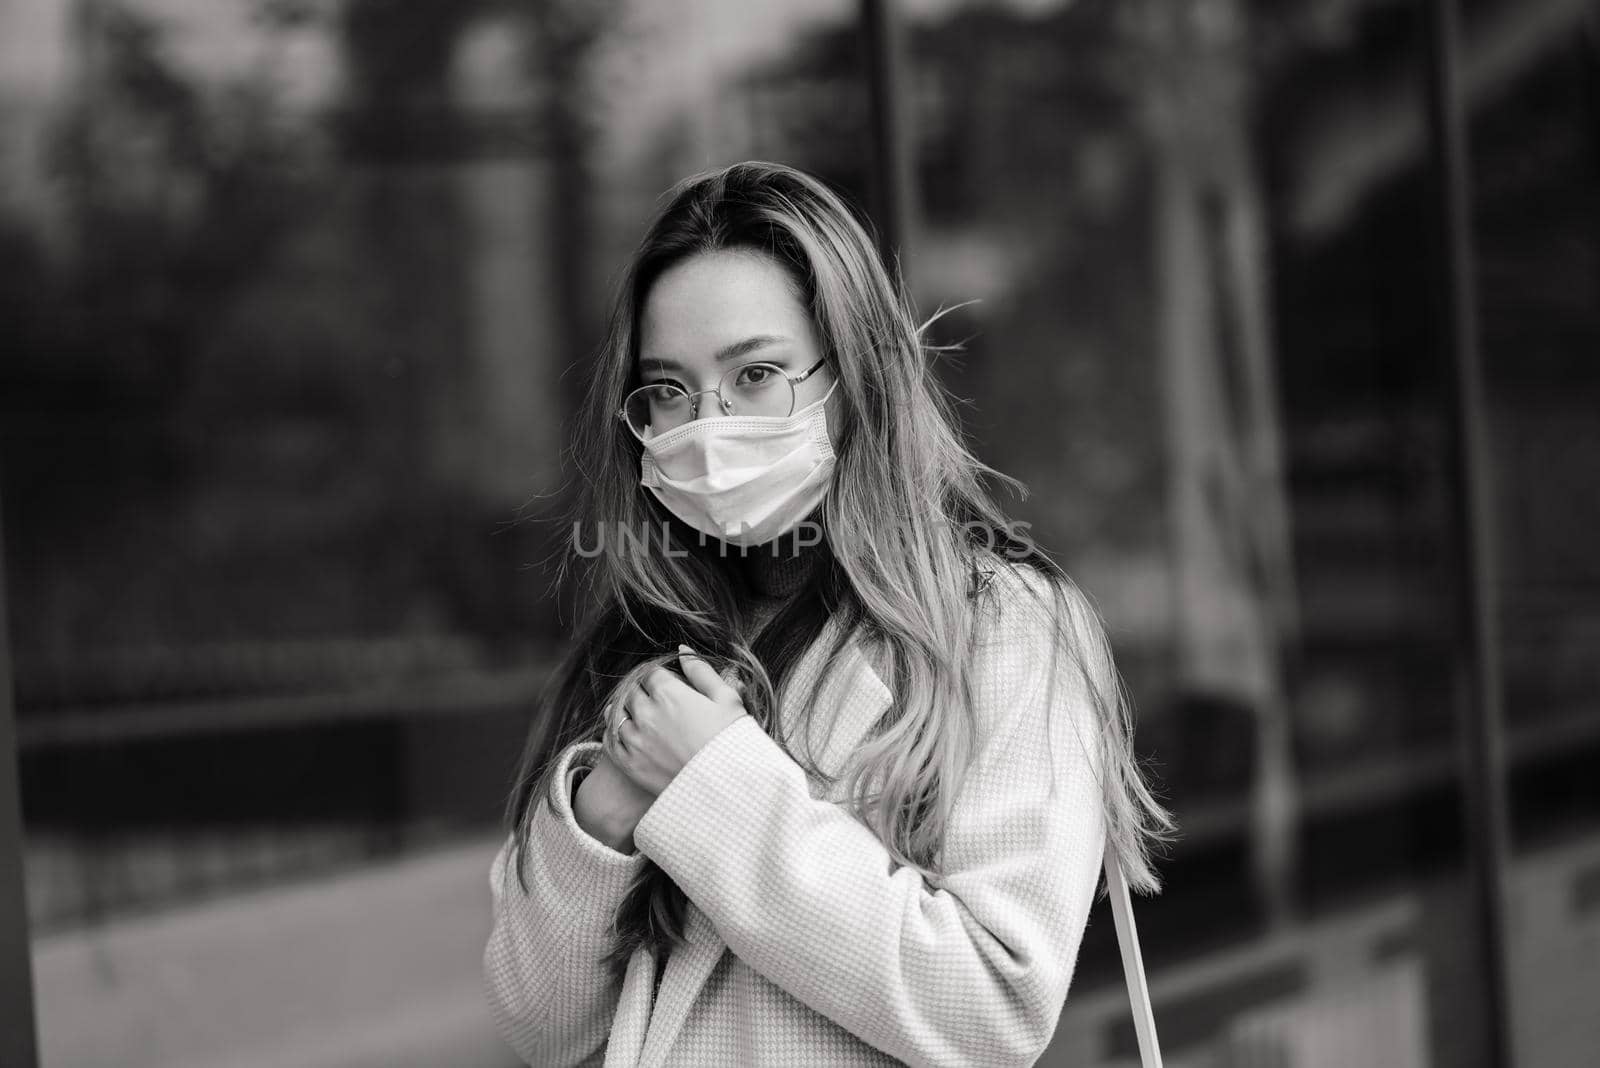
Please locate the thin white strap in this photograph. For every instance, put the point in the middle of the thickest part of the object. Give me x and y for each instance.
(1144, 1019)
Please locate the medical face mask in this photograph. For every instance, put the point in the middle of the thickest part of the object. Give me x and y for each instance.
(742, 479)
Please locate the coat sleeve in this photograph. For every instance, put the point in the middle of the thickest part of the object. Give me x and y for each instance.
(973, 971)
(547, 991)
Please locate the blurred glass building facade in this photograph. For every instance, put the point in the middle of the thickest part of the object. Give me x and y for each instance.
(297, 297)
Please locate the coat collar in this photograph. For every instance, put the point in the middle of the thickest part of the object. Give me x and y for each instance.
(856, 696)
(850, 700)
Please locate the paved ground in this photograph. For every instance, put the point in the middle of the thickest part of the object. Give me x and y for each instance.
(381, 966)
(376, 967)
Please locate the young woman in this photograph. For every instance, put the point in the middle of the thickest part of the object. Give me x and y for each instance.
(828, 777)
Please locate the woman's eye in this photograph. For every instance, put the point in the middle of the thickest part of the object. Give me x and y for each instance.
(754, 376)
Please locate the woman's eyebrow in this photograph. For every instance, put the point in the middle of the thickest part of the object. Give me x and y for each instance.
(727, 352)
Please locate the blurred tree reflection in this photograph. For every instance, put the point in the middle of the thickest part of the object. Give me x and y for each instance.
(250, 405)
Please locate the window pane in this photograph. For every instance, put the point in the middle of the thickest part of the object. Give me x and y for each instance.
(1535, 175)
(297, 298)
(1200, 239)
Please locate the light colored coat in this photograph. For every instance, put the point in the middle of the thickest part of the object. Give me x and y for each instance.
(807, 945)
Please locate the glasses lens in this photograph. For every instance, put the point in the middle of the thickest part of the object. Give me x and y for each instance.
(656, 409)
(758, 389)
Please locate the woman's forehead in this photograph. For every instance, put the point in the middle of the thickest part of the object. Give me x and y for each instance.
(713, 301)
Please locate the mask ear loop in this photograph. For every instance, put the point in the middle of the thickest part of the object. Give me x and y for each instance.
(806, 410)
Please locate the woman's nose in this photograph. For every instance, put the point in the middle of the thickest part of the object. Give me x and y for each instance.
(709, 405)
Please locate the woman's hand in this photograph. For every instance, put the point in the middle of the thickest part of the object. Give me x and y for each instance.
(608, 806)
(668, 721)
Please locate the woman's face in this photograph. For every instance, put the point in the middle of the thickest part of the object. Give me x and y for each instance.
(718, 310)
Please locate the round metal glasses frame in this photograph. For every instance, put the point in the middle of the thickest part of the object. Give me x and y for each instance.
(726, 405)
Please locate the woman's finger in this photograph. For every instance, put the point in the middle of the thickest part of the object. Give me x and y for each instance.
(611, 743)
(637, 704)
(627, 735)
(703, 678)
(658, 682)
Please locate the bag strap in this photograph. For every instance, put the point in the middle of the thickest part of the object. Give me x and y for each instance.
(1144, 1020)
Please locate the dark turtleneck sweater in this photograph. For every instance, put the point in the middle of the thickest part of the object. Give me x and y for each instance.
(770, 575)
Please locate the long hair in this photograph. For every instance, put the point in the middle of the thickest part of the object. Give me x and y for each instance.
(907, 524)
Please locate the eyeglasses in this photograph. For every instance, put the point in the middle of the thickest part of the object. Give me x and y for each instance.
(762, 389)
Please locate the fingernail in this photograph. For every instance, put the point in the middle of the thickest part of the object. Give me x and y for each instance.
(684, 648)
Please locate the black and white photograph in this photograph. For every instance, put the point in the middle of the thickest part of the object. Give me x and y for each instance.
(799, 533)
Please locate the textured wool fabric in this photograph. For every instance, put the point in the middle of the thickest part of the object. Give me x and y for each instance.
(806, 944)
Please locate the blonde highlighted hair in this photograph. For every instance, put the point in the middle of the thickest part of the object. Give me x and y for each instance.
(908, 524)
